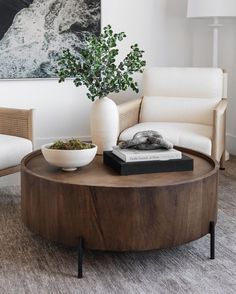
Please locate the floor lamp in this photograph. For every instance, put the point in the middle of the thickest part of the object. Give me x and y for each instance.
(212, 9)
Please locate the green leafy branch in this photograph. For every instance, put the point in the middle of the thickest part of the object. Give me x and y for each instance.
(97, 67)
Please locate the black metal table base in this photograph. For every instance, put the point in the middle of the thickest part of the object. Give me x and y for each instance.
(81, 249)
(212, 240)
(80, 258)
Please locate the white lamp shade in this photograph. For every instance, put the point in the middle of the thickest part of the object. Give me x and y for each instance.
(211, 8)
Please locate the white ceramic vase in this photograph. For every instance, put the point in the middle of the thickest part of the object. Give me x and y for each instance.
(104, 122)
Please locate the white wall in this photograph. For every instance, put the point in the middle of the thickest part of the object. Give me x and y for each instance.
(158, 26)
(62, 110)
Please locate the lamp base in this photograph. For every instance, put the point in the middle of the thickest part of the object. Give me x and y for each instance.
(215, 26)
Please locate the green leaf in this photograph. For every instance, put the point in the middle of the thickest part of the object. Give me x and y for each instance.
(97, 67)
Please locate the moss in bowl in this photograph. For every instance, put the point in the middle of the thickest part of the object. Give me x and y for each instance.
(69, 154)
(72, 144)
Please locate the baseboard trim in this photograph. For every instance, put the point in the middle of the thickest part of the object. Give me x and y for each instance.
(38, 142)
(231, 143)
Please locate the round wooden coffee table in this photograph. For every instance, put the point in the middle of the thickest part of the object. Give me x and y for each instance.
(119, 213)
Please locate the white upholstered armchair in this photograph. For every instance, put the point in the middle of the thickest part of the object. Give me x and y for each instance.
(15, 138)
(186, 105)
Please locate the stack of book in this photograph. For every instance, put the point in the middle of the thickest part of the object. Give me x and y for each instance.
(133, 155)
(132, 161)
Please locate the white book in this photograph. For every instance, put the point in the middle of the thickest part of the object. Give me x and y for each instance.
(133, 155)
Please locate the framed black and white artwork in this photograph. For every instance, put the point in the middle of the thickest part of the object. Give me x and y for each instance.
(34, 32)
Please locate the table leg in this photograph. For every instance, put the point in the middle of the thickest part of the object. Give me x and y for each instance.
(212, 240)
(80, 258)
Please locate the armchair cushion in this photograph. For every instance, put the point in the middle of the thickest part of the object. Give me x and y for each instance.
(12, 150)
(178, 109)
(184, 82)
(194, 136)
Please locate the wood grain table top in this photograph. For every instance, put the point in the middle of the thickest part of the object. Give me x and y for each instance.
(96, 174)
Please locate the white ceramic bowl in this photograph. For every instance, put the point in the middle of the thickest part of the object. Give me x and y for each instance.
(68, 160)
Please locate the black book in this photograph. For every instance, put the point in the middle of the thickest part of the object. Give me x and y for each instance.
(142, 167)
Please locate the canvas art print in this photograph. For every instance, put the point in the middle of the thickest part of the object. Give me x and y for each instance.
(33, 32)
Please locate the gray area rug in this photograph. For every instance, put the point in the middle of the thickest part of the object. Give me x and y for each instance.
(29, 264)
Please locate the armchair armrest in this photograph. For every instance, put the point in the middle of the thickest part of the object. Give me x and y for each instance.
(16, 122)
(219, 130)
(129, 113)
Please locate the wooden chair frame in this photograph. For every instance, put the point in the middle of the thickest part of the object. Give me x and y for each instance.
(16, 122)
